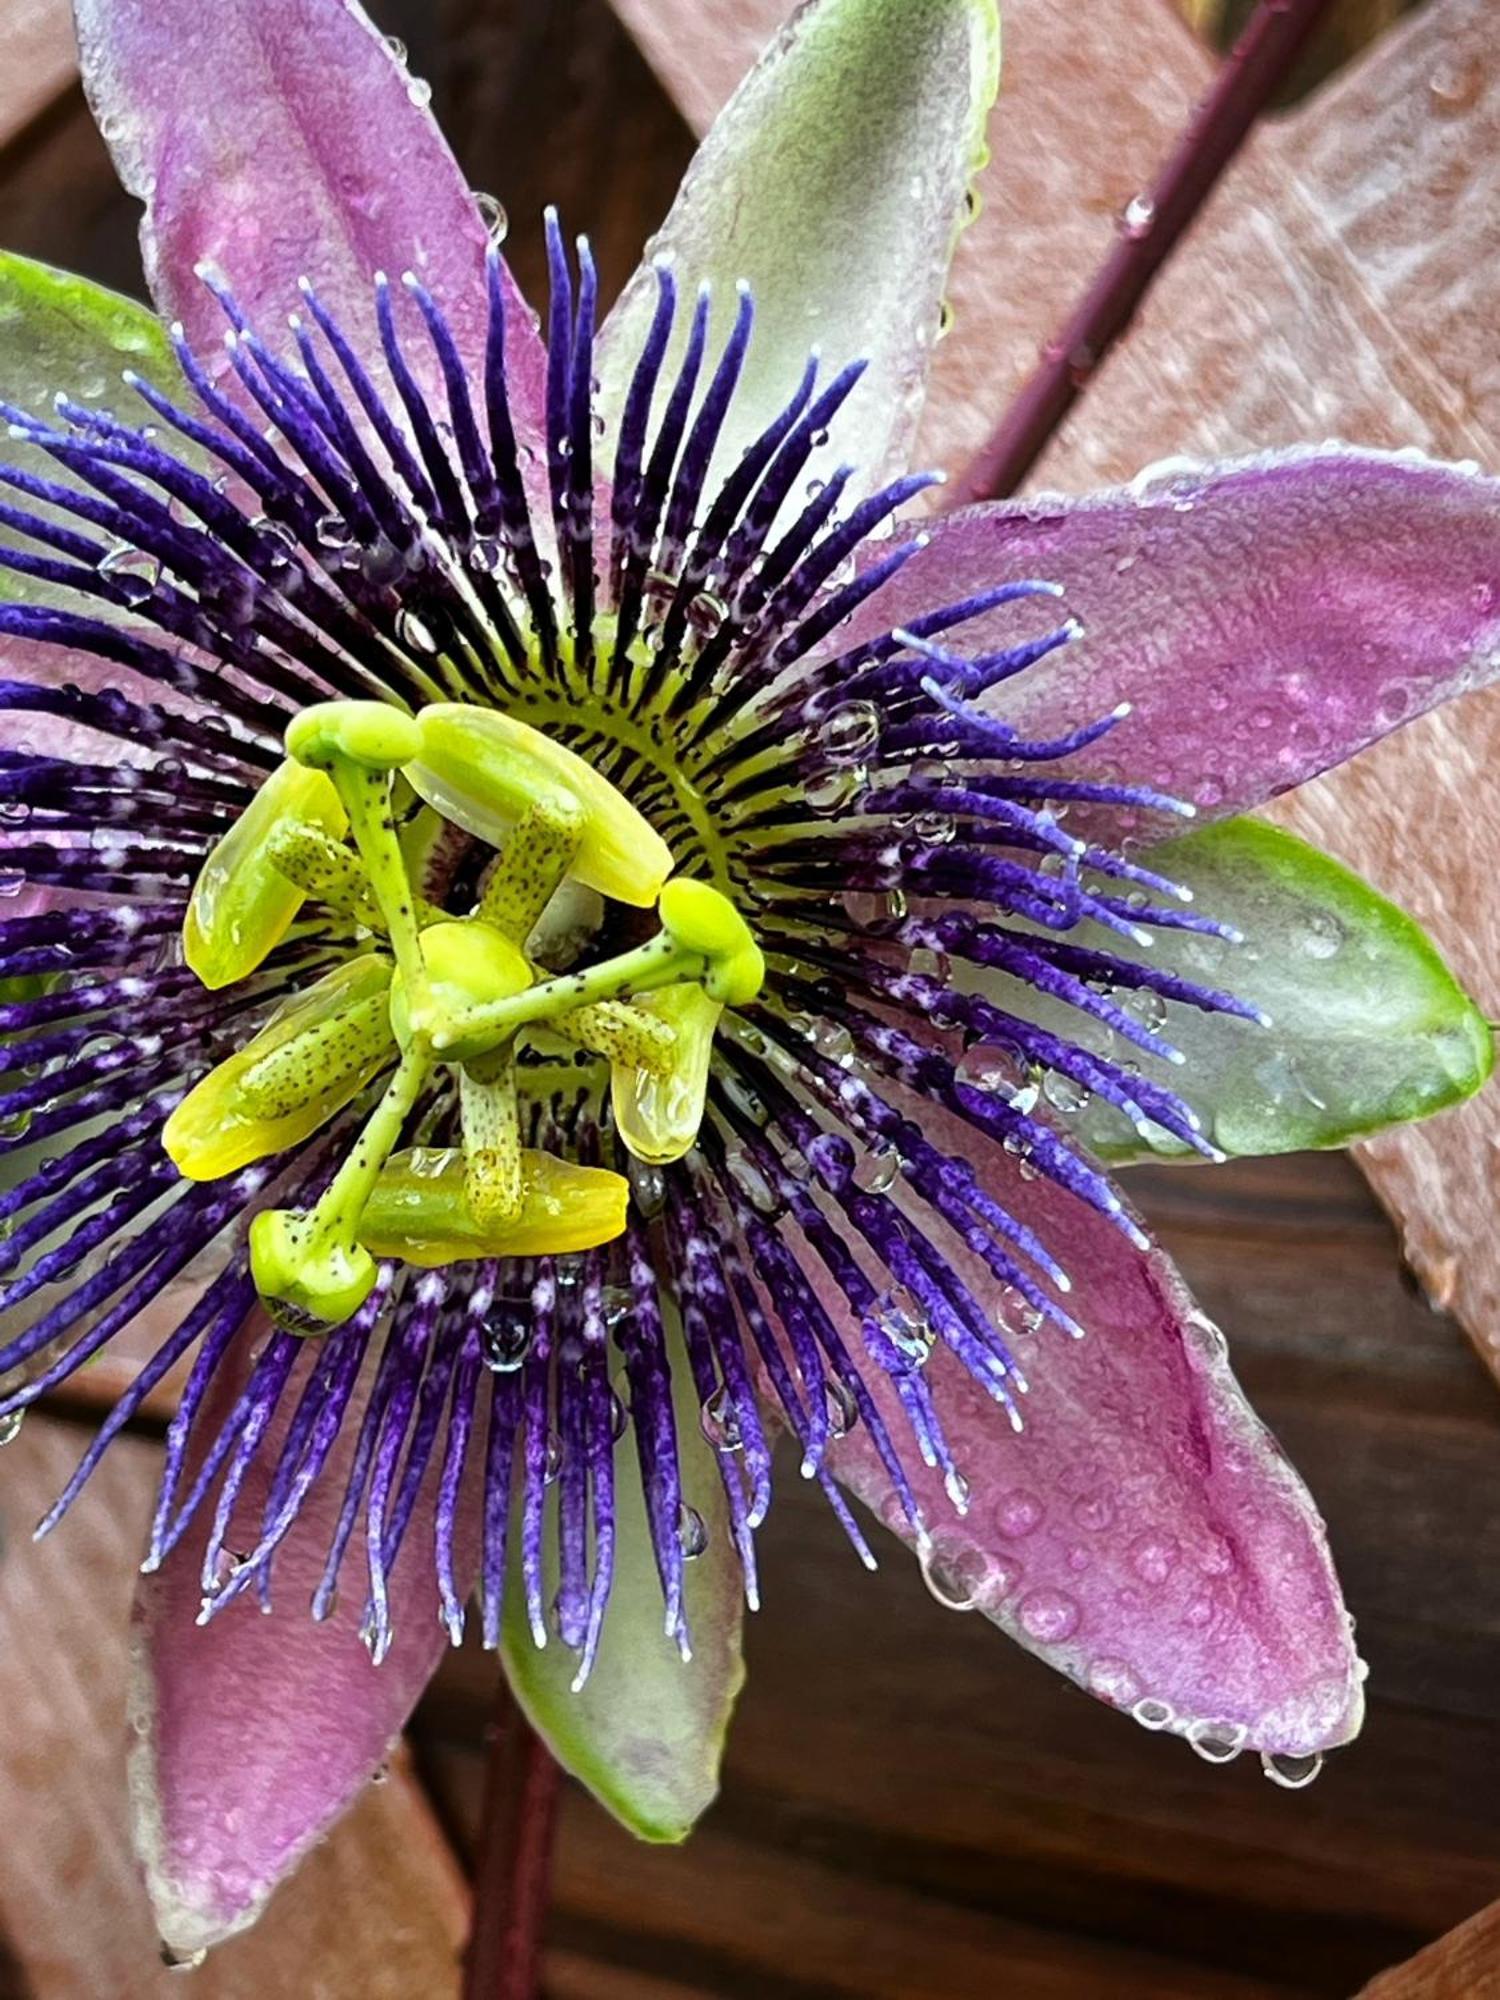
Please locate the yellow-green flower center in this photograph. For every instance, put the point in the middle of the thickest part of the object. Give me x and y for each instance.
(445, 995)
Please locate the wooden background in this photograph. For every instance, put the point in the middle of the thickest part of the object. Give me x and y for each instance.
(913, 1810)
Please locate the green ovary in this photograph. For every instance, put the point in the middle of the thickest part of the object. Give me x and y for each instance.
(426, 991)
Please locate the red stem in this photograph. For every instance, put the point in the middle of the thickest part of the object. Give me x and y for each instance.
(514, 1869)
(1251, 76)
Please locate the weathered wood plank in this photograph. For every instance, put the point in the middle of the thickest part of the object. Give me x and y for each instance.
(37, 61)
(1465, 1965)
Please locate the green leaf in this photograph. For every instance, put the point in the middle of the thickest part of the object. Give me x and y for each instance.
(833, 183)
(61, 334)
(1368, 1026)
(646, 1731)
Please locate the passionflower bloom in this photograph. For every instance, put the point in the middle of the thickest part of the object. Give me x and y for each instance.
(564, 923)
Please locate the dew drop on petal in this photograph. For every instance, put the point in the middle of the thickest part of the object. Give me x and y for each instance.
(955, 1571)
(1049, 1616)
(492, 214)
(10, 1426)
(1064, 1093)
(1217, 1742)
(1019, 1512)
(1153, 1714)
(419, 92)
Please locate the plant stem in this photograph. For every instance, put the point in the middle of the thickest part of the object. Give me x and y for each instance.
(1252, 74)
(514, 1870)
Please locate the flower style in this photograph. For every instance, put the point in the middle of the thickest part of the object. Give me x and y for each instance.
(556, 932)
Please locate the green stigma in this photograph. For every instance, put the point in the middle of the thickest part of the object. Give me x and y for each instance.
(426, 991)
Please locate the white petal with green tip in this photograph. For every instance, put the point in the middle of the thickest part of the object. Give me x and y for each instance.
(646, 1730)
(1368, 1028)
(834, 183)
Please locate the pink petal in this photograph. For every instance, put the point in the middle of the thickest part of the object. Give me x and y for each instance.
(280, 138)
(1143, 1534)
(1265, 619)
(254, 1733)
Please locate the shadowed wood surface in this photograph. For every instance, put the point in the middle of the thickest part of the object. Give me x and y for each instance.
(913, 1810)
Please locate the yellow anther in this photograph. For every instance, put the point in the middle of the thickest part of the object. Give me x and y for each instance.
(326, 869)
(531, 867)
(242, 905)
(492, 1143)
(484, 770)
(622, 1031)
(419, 1210)
(221, 1126)
(658, 1115)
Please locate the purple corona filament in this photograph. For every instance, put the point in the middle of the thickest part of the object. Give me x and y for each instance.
(349, 514)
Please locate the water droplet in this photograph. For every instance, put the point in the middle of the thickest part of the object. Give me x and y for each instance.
(12, 881)
(332, 532)
(1095, 1511)
(900, 1317)
(926, 964)
(833, 1041)
(934, 829)
(827, 792)
(507, 1335)
(843, 1410)
(1137, 217)
(413, 633)
(648, 1186)
(552, 1459)
(719, 1421)
(419, 92)
(706, 613)
(1064, 1093)
(877, 1169)
(692, 1536)
(397, 48)
(134, 572)
(956, 1572)
(875, 911)
(1291, 1773)
(1146, 1007)
(987, 1069)
(492, 214)
(10, 1426)
(851, 732)
(1323, 934)
(181, 1961)
(1217, 1742)
(1019, 1512)
(751, 1182)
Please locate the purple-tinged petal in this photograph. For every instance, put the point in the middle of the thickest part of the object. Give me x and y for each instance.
(281, 139)
(1265, 619)
(833, 184)
(1143, 1533)
(255, 1733)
